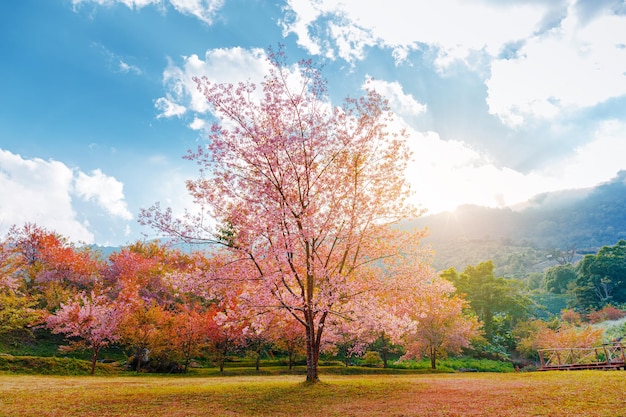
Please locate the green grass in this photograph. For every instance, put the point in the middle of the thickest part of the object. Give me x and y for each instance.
(459, 364)
(555, 394)
(35, 365)
(46, 344)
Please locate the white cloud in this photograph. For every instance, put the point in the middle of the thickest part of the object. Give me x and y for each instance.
(198, 124)
(572, 66)
(446, 174)
(42, 192)
(105, 190)
(115, 62)
(596, 161)
(350, 40)
(219, 65)
(299, 16)
(579, 62)
(204, 10)
(167, 108)
(456, 27)
(38, 191)
(125, 67)
(405, 105)
(138, 4)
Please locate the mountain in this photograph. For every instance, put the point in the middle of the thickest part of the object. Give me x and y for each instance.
(583, 219)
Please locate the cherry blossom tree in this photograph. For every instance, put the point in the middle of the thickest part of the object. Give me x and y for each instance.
(442, 327)
(144, 268)
(90, 322)
(302, 193)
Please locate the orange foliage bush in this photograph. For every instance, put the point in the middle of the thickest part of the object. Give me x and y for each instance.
(608, 312)
(539, 335)
(571, 316)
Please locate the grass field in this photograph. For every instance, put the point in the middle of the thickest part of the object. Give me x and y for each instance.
(580, 393)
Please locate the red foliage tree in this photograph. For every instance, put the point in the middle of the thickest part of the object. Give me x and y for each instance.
(190, 332)
(50, 267)
(226, 334)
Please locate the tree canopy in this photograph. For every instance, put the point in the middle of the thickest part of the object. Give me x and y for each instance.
(602, 277)
(498, 302)
(302, 195)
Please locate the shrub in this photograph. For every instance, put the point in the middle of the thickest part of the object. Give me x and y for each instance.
(607, 312)
(35, 365)
(571, 317)
(372, 359)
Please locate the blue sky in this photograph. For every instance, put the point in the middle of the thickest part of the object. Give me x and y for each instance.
(503, 99)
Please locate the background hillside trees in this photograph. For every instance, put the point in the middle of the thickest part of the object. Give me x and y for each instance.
(559, 278)
(601, 278)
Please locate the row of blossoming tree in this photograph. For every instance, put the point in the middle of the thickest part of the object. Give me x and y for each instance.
(173, 306)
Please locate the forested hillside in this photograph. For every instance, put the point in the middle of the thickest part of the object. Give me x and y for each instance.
(522, 241)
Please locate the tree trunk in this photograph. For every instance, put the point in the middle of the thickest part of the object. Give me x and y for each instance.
(312, 350)
(433, 358)
(384, 350)
(311, 364)
(94, 359)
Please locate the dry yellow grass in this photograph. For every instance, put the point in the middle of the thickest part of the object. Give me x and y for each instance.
(583, 393)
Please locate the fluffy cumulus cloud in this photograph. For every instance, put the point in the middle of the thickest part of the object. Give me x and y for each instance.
(401, 103)
(446, 174)
(219, 65)
(578, 64)
(105, 190)
(541, 57)
(454, 27)
(595, 161)
(204, 10)
(43, 192)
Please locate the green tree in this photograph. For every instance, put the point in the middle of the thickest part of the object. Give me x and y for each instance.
(498, 302)
(17, 312)
(601, 278)
(558, 278)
